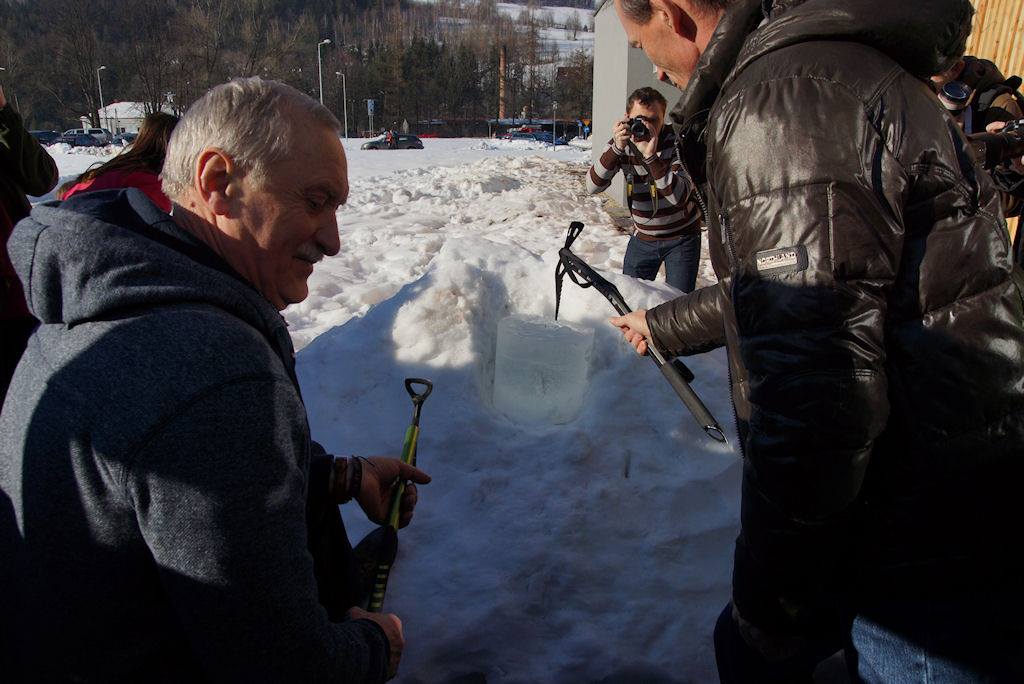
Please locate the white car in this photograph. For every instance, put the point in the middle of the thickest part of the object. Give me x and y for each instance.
(101, 134)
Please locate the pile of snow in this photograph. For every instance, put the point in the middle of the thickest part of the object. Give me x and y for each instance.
(580, 143)
(600, 548)
(497, 144)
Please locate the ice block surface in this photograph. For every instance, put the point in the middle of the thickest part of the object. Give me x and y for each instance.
(540, 369)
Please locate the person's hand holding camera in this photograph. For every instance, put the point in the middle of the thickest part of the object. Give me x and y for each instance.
(1017, 163)
(620, 135)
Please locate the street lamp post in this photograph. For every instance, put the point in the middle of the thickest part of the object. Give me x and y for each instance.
(344, 99)
(554, 124)
(319, 66)
(99, 84)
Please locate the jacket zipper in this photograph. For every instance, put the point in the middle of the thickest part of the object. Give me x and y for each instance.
(728, 370)
(723, 221)
(727, 241)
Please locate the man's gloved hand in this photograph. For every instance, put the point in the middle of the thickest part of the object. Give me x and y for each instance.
(392, 627)
(380, 476)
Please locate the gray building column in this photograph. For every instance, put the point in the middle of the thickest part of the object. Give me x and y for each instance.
(618, 71)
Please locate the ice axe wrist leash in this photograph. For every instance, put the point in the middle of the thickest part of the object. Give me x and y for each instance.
(675, 371)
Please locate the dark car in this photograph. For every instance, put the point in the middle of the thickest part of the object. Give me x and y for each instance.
(124, 138)
(403, 141)
(545, 137)
(84, 140)
(45, 137)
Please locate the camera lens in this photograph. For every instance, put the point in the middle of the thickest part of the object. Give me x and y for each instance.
(637, 127)
(955, 96)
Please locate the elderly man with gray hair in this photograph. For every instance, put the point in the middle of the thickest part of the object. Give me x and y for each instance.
(163, 510)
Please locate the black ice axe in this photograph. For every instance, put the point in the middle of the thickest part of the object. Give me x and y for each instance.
(381, 545)
(675, 371)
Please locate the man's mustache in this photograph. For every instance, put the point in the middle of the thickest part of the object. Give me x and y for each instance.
(309, 252)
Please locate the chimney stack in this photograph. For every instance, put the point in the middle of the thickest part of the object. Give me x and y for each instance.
(502, 65)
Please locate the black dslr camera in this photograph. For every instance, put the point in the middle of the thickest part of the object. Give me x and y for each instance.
(638, 128)
(994, 149)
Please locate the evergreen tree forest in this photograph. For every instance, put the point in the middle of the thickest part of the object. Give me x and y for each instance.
(419, 62)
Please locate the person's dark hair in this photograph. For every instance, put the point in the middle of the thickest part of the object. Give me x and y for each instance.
(145, 154)
(640, 10)
(648, 97)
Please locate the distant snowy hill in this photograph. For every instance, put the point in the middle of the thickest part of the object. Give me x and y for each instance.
(561, 33)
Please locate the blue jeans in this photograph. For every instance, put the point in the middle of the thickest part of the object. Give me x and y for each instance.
(681, 256)
(944, 638)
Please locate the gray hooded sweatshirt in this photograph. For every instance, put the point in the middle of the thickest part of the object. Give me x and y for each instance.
(154, 460)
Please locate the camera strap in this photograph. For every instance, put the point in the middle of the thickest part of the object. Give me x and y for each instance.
(634, 151)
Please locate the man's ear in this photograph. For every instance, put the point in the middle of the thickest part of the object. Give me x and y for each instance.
(215, 177)
(676, 16)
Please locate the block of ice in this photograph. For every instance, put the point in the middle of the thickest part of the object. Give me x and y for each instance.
(540, 369)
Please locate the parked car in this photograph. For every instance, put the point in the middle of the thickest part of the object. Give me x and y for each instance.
(518, 135)
(545, 137)
(84, 140)
(403, 141)
(45, 137)
(126, 138)
(101, 134)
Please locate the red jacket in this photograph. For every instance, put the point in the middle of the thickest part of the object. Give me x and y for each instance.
(146, 181)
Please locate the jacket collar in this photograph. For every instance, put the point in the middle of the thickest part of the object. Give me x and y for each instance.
(718, 59)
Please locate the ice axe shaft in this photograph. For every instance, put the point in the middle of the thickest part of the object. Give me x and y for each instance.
(675, 371)
(389, 549)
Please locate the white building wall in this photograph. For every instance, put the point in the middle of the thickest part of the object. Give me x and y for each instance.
(618, 71)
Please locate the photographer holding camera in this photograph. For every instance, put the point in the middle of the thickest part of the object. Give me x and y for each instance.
(977, 94)
(658, 193)
(989, 108)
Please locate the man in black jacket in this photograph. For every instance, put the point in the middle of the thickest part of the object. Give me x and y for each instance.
(873, 320)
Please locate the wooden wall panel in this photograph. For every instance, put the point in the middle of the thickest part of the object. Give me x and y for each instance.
(998, 34)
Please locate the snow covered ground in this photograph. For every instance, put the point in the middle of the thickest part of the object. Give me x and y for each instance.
(594, 551)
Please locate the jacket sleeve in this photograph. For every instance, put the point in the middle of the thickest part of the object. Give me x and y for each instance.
(692, 323)
(21, 156)
(815, 238)
(220, 497)
(604, 169)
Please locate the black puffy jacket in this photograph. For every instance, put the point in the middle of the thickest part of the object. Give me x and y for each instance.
(868, 301)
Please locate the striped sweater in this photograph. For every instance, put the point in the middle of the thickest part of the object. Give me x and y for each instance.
(669, 214)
